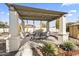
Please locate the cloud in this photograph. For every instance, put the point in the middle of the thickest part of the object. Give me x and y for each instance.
(72, 11)
(8, 14)
(69, 14)
(67, 4)
(1, 12)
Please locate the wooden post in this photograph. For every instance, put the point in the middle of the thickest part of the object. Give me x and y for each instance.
(23, 27)
(47, 26)
(27, 25)
(33, 25)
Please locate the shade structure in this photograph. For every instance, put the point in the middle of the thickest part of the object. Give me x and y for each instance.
(30, 13)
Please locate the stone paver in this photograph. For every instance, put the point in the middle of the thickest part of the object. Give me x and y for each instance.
(25, 50)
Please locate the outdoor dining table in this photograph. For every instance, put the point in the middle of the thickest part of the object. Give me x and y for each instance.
(38, 36)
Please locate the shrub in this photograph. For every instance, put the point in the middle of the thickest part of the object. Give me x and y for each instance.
(39, 30)
(50, 49)
(68, 46)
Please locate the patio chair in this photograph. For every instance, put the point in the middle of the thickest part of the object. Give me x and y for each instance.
(43, 35)
(36, 36)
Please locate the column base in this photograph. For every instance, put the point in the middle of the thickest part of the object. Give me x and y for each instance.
(13, 43)
(62, 38)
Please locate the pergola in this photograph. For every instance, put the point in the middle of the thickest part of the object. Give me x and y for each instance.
(29, 13)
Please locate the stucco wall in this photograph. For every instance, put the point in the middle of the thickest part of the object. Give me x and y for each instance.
(74, 31)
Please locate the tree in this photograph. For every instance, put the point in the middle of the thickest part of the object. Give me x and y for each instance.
(3, 25)
(6, 23)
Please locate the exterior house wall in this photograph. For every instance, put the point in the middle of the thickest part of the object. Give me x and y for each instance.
(74, 31)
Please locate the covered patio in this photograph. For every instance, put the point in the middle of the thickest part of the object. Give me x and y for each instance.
(18, 12)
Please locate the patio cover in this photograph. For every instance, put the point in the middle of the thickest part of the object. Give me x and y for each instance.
(30, 13)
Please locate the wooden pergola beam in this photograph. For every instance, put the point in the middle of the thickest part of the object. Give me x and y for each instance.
(29, 9)
(43, 18)
(37, 13)
(38, 19)
(25, 11)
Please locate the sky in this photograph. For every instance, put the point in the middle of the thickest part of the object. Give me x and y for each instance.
(71, 8)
